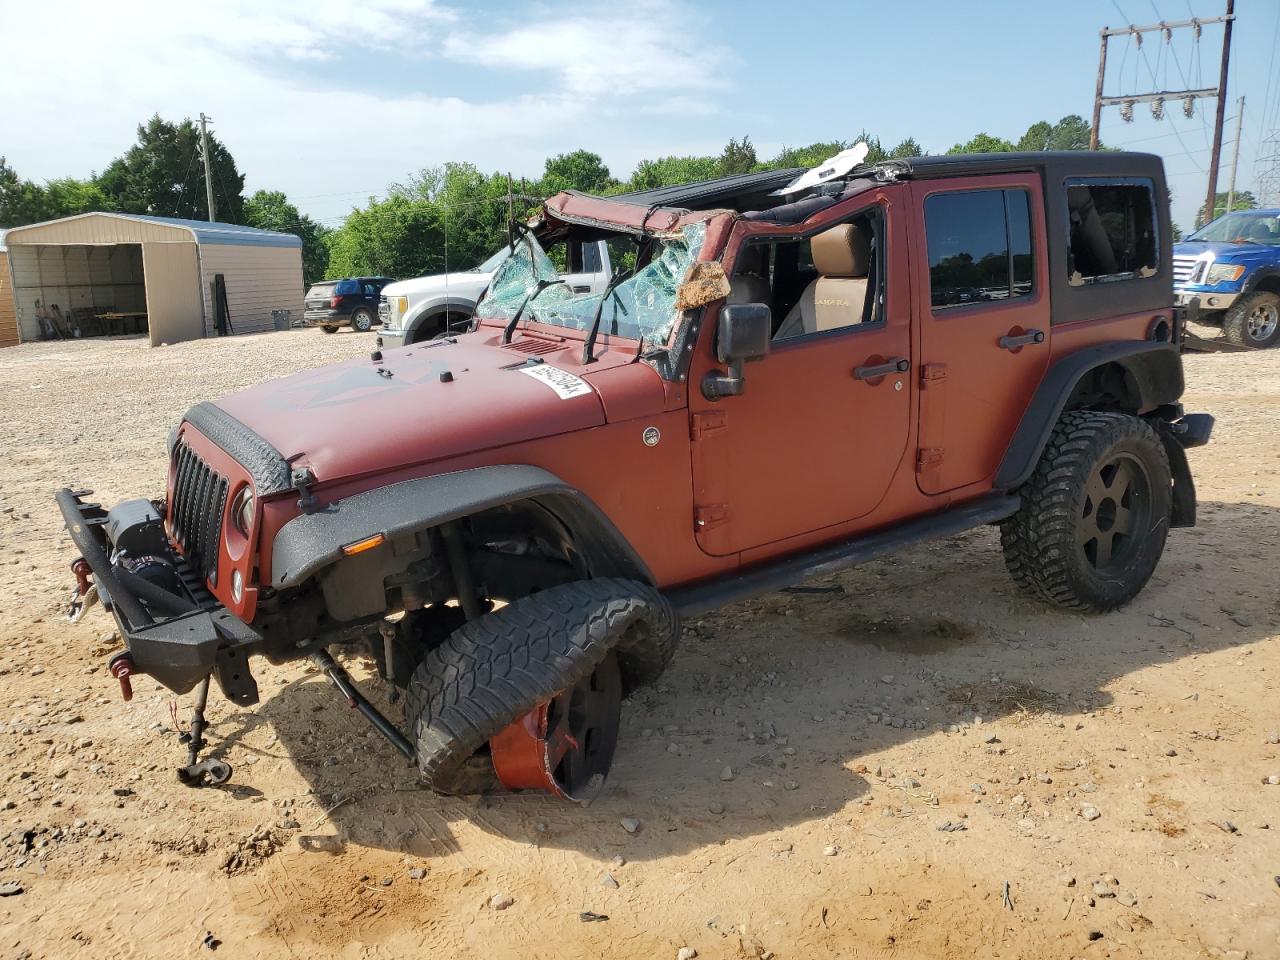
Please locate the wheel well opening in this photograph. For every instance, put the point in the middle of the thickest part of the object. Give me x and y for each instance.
(440, 322)
(1270, 284)
(1109, 386)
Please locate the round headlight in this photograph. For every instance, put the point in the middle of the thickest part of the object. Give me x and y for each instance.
(242, 510)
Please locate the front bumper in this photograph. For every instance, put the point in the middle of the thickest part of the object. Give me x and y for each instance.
(391, 337)
(326, 318)
(178, 639)
(1209, 300)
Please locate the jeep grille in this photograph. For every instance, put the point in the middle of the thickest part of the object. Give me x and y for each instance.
(195, 513)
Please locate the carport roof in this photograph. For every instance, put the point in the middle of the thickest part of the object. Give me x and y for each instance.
(204, 231)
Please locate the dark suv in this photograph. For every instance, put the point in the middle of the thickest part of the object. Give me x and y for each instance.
(353, 302)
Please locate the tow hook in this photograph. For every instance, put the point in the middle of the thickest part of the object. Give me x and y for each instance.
(121, 667)
(85, 594)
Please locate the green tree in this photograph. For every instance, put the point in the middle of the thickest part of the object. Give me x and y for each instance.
(671, 171)
(983, 143)
(24, 201)
(1069, 133)
(579, 170)
(738, 156)
(162, 175)
(271, 210)
(909, 147)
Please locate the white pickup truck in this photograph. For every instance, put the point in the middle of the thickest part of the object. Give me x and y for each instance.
(425, 307)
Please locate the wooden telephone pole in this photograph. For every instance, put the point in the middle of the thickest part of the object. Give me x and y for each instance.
(1218, 93)
(208, 163)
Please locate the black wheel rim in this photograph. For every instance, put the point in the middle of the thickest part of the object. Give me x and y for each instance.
(582, 731)
(1116, 513)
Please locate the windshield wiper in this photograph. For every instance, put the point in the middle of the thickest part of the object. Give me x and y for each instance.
(588, 355)
(533, 295)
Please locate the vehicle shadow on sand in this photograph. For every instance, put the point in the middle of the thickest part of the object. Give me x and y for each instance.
(800, 693)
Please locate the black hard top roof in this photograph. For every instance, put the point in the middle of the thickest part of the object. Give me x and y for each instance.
(709, 194)
(752, 191)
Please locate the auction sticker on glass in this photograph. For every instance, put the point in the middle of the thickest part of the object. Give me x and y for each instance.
(564, 383)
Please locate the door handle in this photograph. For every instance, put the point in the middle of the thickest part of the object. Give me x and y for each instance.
(896, 365)
(1025, 340)
(583, 289)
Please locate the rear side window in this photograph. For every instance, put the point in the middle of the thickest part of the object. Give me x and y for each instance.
(344, 287)
(1113, 230)
(979, 246)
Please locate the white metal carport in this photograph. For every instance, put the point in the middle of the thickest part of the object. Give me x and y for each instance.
(102, 273)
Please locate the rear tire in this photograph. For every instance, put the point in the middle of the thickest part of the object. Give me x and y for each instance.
(362, 320)
(1253, 320)
(1094, 515)
(499, 667)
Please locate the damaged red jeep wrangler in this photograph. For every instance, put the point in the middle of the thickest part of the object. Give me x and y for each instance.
(785, 381)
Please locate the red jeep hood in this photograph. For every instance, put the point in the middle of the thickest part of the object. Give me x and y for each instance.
(441, 400)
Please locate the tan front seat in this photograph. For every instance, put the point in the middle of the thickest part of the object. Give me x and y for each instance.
(836, 299)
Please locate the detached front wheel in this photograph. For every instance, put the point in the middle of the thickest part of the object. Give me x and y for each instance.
(538, 683)
(1094, 515)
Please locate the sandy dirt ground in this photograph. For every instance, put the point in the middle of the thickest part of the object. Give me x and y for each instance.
(911, 746)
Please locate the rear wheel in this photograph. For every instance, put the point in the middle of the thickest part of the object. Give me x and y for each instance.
(1094, 515)
(362, 320)
(1253, 320)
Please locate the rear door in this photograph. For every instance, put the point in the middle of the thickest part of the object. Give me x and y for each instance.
(983, 306)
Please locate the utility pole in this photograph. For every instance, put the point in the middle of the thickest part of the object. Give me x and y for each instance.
(208, 163)
(1235, 156)
(1212, 195)
(1097, 96)
(1157, 98)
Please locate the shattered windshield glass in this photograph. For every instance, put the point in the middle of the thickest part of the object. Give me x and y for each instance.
(641, 307)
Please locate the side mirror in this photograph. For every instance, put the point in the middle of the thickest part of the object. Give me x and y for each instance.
(742, 335)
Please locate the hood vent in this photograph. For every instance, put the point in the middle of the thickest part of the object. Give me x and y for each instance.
(534, 346)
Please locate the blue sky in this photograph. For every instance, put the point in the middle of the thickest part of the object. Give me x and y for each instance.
(331, 100)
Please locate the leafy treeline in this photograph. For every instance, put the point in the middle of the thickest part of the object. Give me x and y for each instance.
(163, 175)
(446, 217)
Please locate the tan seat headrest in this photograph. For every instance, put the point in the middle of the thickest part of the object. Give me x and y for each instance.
(842, 251)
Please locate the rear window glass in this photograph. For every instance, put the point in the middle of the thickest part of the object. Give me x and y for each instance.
(320, 290)
(979, 245)
(1113, 230)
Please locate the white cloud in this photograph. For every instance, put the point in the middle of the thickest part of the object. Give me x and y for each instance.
(634, 48)
(286, 85)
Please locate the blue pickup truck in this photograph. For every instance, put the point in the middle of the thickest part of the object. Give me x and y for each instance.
(1233, 266)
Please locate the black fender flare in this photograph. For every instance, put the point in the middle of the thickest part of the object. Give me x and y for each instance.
(311, 542)
(1153, 377)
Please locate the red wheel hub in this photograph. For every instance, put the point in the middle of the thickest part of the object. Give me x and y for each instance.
(565, 745)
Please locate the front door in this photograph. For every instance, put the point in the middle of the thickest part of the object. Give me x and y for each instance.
(821, 427)
(983, 303)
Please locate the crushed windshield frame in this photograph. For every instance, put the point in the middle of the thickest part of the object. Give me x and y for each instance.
(641, 307)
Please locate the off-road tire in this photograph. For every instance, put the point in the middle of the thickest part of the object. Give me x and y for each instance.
(329, 329)
(1239, 325)
(1042, 541)
(497, 668)
(362, 321)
